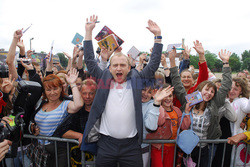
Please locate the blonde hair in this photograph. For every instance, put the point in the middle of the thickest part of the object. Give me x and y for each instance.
(120, 54)
(61, 74)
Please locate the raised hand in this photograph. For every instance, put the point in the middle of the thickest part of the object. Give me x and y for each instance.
(142, 58)
(186, 52)
(154, 28)
(29, 54)
(18, 34)
(90, 23)
(162, 93)
(119, 49)
(48, 58)
(7, 84)
(72, 76)
(188, 108)
(131, 60)
(163, 60)
(75, 51)
(20, 44)
(105, 53)
(224, 56)
(199, 48)
(172, 54)
(67, 55)
(27, 66)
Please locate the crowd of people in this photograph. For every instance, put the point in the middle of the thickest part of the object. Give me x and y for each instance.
(116, 104)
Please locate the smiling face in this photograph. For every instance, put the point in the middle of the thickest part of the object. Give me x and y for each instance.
(235, 91)
(53, 89)
(167, 102)
(207, 93)
(146, 95)
(119, 68)
(53, 93)
(187, 79)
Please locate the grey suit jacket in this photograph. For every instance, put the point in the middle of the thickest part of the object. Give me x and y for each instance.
(104, 78)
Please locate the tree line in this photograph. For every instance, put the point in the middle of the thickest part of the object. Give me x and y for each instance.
(213, 62)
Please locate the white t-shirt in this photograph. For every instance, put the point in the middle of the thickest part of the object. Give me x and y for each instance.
(241, 107)
(118, 119)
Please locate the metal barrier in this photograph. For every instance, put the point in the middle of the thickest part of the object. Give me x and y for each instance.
(56, 140)
(92, 163)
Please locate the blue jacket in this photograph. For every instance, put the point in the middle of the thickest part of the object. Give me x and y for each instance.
(104, 78)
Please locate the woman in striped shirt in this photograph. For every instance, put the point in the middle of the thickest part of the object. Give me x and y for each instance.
(55, 109)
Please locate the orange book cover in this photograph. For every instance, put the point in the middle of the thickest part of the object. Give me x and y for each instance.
(109, 42)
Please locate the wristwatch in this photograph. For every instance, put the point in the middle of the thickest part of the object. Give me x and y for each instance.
(158, 37)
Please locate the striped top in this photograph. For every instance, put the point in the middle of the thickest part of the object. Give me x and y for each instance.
(49, 121)
(201, 124)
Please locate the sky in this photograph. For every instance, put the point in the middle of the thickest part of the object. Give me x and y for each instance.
(217, 24)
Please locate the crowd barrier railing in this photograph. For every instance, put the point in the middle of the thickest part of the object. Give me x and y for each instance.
(92, 163)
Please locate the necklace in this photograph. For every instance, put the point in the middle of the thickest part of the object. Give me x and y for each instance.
(47, 107)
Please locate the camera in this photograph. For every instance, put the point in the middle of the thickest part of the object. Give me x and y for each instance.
(4, 71)
(25, 91)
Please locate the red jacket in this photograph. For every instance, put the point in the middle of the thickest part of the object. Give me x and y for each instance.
(203, 76)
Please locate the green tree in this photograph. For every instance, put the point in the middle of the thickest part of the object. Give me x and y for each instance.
(63, 60)
(246, 64)
(194, 60)
(218, 66)
(245, 59)
(211, 59)
(245, 55)
(234, 62)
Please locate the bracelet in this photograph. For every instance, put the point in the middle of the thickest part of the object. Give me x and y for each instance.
(225, 63)
(73, 86)
(156, 105)
(158, 37)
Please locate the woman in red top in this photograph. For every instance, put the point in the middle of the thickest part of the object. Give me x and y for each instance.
(186, 76)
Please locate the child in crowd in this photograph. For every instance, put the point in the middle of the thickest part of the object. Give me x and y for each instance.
(150, 111)
(168, 124)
